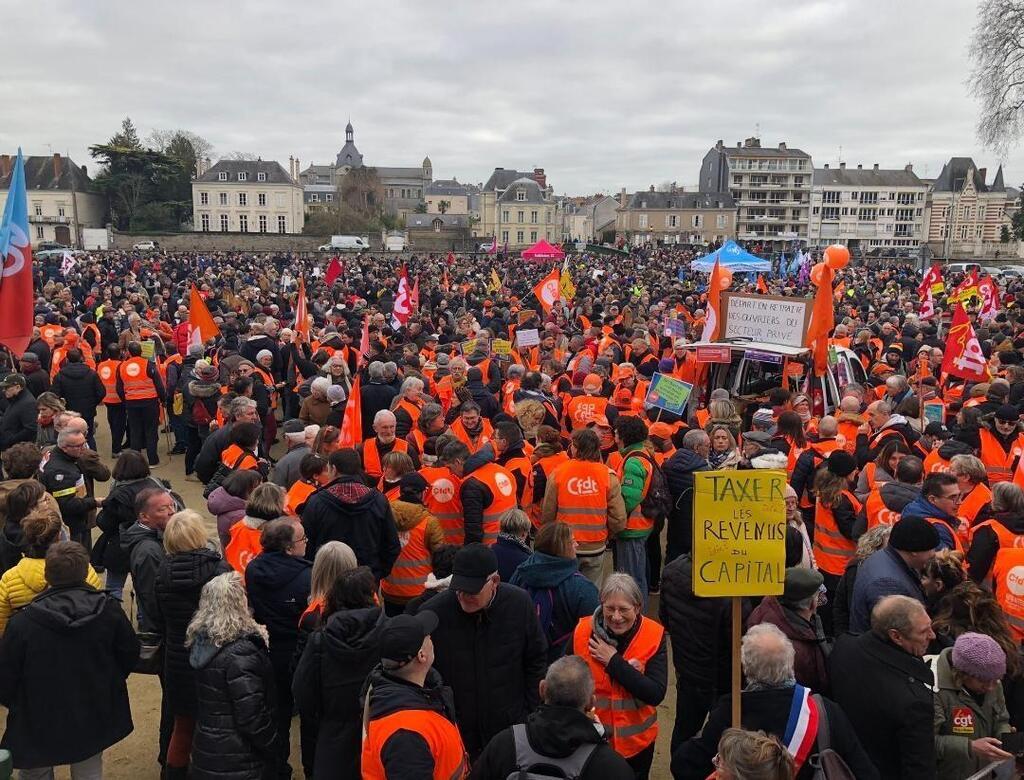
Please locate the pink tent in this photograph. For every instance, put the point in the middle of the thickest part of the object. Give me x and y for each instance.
(542, 251)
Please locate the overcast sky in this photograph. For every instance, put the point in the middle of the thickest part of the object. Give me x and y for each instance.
(602, 95)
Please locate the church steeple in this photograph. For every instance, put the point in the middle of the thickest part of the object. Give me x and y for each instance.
(348, 132)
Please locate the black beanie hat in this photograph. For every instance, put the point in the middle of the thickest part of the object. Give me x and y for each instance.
(841, 463)
(913, 534)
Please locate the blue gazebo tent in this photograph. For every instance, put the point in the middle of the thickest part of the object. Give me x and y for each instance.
(732, 256)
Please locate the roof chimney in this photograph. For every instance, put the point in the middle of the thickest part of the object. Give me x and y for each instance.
(876, 166)
(540, 178)
(782, 146)
(752, 143)
(826, 166)
(842, 166)
(860, 167)
(719, 145)
(622, 198)
(909, 167)
(652, 188)
(56, 165)
(981, 173)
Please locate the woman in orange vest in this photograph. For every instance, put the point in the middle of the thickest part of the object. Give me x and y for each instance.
(420, 534)
(243, 452)
(626, 653)
(394, 466)
(790, 438)
(836, 510)
(265, 503)
(883, 468)
(1003, 529)
(313, 474)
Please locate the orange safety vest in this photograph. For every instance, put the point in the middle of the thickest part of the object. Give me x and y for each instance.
(235, 458)
(243, 546)
(412, 409)
(409, 573)
(702, 416)
(998, 462)
(957, 532)
(934, 463)
(973, 503)
(135, 379)
(821, 450)
(445, 392)
(502, 484)
(90, 328)
(371, 456)
(630, 724)
(846, 435)
(298, 495)
(268, 382)
(460, 432)
(636, 520)
(832, 550)
(582, 409)
(441, 735)
(583, 500)
(877, 512)
(522, 465)
(107, 371)
(508, 391)
(793, 455)
(547, 464)
(443, 502)
(1007, 580)
(48, 333)
(419, 440)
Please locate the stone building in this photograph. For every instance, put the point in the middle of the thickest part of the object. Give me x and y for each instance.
(967, 213)
(676, 217)
(247, 196)
(519, 208)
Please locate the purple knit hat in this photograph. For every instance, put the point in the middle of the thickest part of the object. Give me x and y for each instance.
(979, 655)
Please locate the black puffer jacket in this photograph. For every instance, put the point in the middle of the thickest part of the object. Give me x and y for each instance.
(278, 589)
(117, 515)
(679, 470)
(206, 393)
(80, 387)
(327, 682)
(235, 736)
(179, 582)
(18, 419)
(698, 627)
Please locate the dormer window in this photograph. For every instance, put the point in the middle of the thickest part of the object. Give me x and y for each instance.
(222, 176)
(520, 194)
(261, 176)
(243, 176)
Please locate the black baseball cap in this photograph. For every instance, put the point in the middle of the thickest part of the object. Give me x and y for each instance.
(473, 564)
(16, 380)
(402, 636)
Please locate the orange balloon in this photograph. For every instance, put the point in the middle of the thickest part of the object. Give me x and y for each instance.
(837, 256)
(818, 274)
(725, 280)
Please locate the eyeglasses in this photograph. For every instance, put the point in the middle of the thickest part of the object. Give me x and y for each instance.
(954, 497)
(300, 540)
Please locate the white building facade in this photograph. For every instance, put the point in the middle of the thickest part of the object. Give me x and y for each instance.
(247, 196)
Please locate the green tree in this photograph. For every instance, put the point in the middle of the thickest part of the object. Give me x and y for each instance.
(421, 208)
(443, 206)
(132, 178)
(127, 137)
(362, 191)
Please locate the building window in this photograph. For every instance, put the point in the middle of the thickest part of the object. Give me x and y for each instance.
(39, 232)
(672, 221)
(504, 236)
(830, 196)
(977, 233)
(721, 221)
(519, 236)
(329, 197)
(520, 194)
(204, 199)
(263, 223)
(243, 199)
(698, 220)
(38, 209)
(814, 211)
(282, 223)
(243, 176)
(60, 210)
(204, 221)
(280, 200)
(438, 224)
(920, 212)
(223, 223)
(243, 223)
(867, 215)
(533, 236)
(830, 212)
(223, 199)
(522, 216)
(314, 197)
(261, 199)
(641, 221)
(504, 215)
(533, 217)
(261, 176)
(963, 232)
(222, 176)
(869, 198)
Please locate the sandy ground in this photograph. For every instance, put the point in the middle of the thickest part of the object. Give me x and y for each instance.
(134, 758)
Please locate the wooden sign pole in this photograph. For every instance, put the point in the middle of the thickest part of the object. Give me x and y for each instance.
(737, 676)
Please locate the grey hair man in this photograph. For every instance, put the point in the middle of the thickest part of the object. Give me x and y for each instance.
(286, 471)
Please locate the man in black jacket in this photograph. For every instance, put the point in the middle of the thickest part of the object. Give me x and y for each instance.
(18, 422)
(679, 470)
(143, 543)
(241, 410)
(489, 647)
(64, 480)
(36, 378)
(558, 730)
(884, 687)
(81, 389)
(346, 510)
(64, 663)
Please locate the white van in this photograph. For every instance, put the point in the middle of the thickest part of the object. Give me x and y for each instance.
(394, 243)
(346, 242)
(757, 367)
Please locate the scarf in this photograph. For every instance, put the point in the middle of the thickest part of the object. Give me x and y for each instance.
(716, 459)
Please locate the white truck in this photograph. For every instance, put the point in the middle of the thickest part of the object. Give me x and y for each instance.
(95, 238)
(395, 243)
(358, 243)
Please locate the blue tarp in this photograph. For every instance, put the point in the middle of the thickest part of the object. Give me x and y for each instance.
(733, 257)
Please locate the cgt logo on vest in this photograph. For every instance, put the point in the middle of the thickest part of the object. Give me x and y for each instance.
(963, 720)
(504, 484)
(132, 369)
(443, 490)
(1015, 580)
(582, 486)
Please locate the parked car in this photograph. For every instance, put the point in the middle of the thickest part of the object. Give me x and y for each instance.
(46, 246)
(146, 245)
(960, 268)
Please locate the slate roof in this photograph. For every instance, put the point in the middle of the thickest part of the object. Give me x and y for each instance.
(426, 221)
(534, 194)
(762, 151)
(866, 177)
(41, 175)
(502, 177)
(681, 200)
(398, 173)
(954, 173)
(447, 187)
(275, 173)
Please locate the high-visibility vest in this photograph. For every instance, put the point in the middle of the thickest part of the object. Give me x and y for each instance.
(460, 433)
(1018, 474)
(107, 371)
(502, 484)
(298, 495)
(90, 328)
(820, 450)
(1007, 539)
(522, 465)
(636, 521)
(445, 393)
(371, 456)
(794, 453)
(582, 409)
(998, 462)
(846, 435)
(631, 725)
(419, 440)
(57, 360)
(702, 416)
(832, 550)
(878, 439)
(442, 500)
(935, 463)
(877, 512)
(955, 532)
(268, 382)
(408, 575)
(235, 458)
(1008, 585)
(973, 503)
(412, 409)
(441, 735)
(583, 500)
(134, 373)
(547, 465)
(871, 475)
(243, 546)
(48, 333)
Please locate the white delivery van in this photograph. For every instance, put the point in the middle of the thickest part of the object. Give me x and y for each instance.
(358, 243)
(394, 243)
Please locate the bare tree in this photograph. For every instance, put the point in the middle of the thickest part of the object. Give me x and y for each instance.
(161, 140)
(997, 79)
(240, 156)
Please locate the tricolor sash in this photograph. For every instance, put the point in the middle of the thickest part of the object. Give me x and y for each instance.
(802, 727)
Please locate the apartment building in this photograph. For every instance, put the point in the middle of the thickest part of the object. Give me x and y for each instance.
(676, 217)
(968, 214)
(519, 209)
(247, 196)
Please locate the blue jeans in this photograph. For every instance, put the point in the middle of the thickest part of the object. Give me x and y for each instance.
(631, 558)
(115, 583)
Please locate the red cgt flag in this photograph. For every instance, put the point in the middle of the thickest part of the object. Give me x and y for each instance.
(932, 281)
(963, 357)
(352, 422)
(335, 269)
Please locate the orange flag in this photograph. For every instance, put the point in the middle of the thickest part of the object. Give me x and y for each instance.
(840, 289)
(352, 422)
(203, 328)
(762, 287)
(584, 322)
(301, 313)
(547, 290)
(823, 317)
(721, 279)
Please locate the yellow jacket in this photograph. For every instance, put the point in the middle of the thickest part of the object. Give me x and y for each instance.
(18, 586)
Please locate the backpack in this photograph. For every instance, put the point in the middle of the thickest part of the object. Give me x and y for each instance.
(826, 763)
(220, 474)
(657, 503)
(200, 414)
(531, 765)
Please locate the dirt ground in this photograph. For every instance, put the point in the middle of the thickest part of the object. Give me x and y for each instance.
(134, 758)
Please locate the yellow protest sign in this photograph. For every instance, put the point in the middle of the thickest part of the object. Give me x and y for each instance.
(739, 533)
(469, 346)
(501, 347)
(148, 349)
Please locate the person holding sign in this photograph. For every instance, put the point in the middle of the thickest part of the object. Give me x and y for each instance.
(627, 655)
